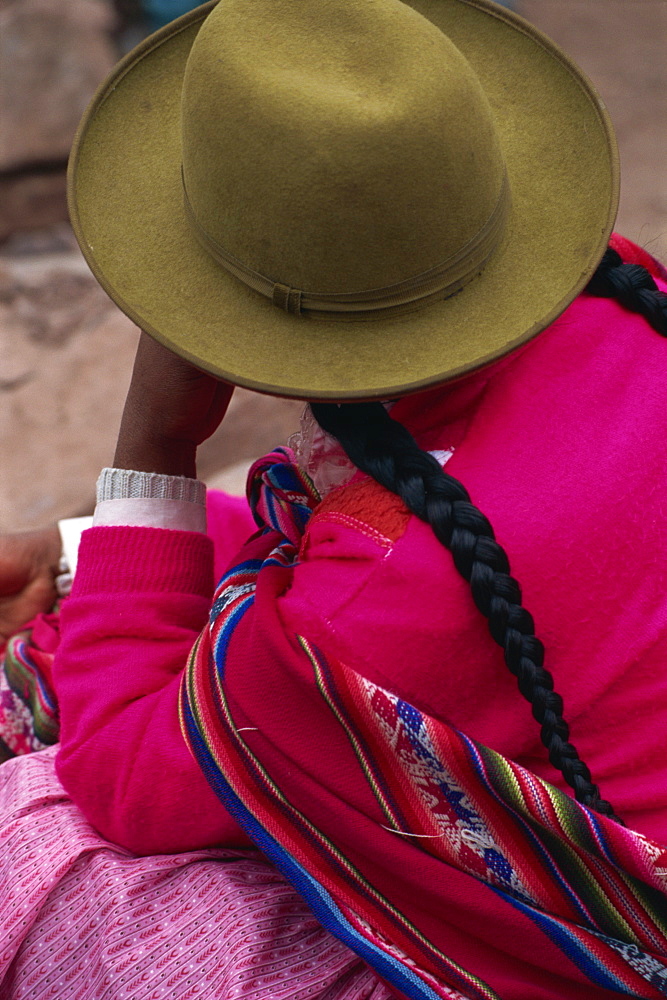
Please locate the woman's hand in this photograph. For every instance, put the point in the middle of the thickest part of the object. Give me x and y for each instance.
(171, 408)
(28, 566)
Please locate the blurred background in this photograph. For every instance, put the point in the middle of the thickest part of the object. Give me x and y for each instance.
(66, 351)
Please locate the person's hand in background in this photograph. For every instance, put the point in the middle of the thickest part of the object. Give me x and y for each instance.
(28, 567)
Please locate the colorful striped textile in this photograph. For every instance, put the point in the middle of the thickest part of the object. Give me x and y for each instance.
(28, 709)
(281, 495)
(506, 876)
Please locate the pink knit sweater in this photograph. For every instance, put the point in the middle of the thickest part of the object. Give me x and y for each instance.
(563, 447)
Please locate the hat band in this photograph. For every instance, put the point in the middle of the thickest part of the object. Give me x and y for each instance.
(437, 283)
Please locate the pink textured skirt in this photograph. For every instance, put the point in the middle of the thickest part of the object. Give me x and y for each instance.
(82, 919)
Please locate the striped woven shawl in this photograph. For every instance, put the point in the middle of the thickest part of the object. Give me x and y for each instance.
(448, 868)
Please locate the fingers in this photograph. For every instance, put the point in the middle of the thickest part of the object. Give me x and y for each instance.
(28, 564)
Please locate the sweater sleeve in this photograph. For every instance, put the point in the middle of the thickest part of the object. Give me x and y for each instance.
(230, 524)
(140, 598)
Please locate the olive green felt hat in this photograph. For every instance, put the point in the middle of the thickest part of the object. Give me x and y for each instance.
(344, 199)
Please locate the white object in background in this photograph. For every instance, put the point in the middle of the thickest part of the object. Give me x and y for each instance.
(71, 529)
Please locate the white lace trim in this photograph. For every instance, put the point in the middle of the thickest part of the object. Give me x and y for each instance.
(321, 456)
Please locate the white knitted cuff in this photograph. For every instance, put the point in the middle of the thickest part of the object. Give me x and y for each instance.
(121, 484)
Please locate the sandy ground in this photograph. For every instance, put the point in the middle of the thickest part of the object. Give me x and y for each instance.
(621, 45)
(62, 385)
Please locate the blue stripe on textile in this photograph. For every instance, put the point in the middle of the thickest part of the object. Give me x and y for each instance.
(317, 898)
(593, 826)
(546, 860)
(223, 638)
(577, 952)
(242, 576)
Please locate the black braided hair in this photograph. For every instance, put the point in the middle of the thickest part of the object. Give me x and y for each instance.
(387, 452)
(631, 285)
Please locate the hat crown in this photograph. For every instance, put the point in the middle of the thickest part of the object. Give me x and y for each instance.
(336, 145)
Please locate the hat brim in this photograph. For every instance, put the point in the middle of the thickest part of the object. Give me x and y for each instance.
(126, 204)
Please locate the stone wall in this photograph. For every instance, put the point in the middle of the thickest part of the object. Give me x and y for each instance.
(52, 57)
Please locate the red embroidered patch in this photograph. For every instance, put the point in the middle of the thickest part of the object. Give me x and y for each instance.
(369, 505)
